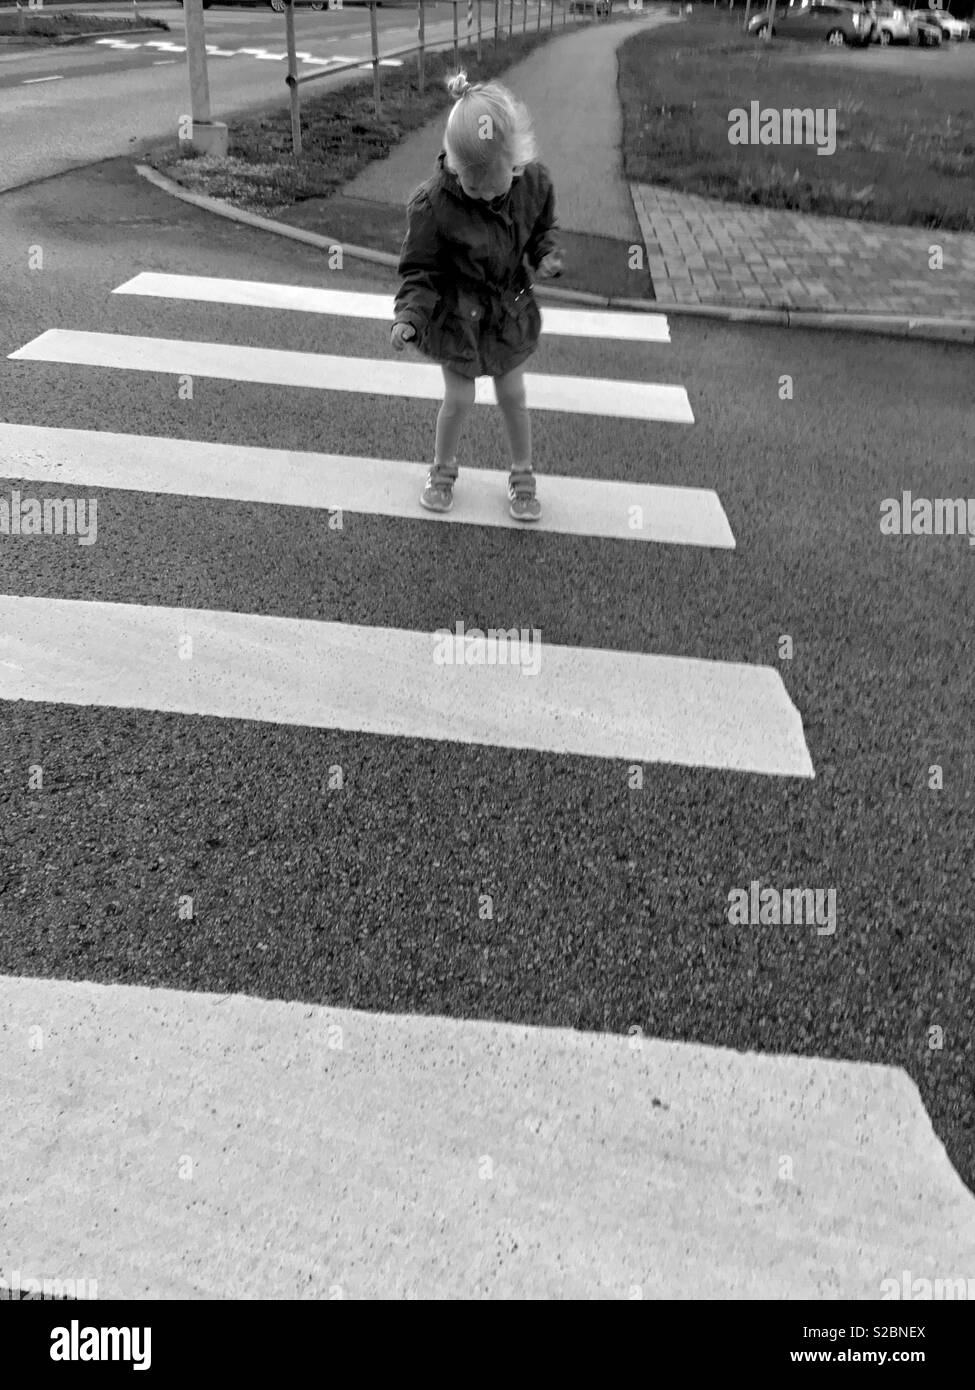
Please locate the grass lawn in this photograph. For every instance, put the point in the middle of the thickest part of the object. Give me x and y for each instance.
(54, 26)
(905, 139)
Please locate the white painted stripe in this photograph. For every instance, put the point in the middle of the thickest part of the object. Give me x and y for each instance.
(583, 701)
(629, 400)
(270, 57)
(213, 52)
(312, 299)
(378, 487)
(277, 1104)
(32, 81)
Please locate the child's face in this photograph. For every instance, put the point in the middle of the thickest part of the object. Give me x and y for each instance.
(487, 184)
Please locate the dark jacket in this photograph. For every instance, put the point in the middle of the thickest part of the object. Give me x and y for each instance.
(464, 286)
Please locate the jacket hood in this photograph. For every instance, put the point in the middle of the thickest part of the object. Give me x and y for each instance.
(451, 183)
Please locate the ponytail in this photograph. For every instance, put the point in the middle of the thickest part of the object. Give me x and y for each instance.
(458, 86)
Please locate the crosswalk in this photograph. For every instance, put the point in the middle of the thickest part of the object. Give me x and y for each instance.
(652, 707)
(272, 1104)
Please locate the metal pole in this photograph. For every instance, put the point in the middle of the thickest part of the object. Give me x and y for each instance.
(539, 24)
(374, 33)
(289, 26)
(456, 48)
(478, 30)
(421, 76)
(524, 16)
(196, 61)
(771, 21)
(511, 19)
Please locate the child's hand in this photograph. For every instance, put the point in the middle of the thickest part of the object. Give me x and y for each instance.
(401, 334)
(550, 266)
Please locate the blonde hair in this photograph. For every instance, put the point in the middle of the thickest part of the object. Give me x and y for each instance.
(487, 125)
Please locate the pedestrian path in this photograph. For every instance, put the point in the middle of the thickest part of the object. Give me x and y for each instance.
(705, 251)
(592, 702)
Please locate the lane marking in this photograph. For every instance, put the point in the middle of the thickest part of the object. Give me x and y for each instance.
(377, 487)
(619, 399)
(31, 81)
(281, 1100)
(576, 700)
(311, 299)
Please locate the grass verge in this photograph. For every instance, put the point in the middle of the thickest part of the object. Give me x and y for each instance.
(905, 139)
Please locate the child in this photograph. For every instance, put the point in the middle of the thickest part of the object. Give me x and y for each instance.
(466, 298)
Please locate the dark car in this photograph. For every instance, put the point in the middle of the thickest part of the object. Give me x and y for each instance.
(833, 23)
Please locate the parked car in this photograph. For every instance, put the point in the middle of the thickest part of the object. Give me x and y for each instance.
(597, 6)
(870, 23)
(893, 25)
(834, 22)
(278, 6)
(924, 32)
(950, 27)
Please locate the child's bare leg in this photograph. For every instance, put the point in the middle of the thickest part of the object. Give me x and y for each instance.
(510, 392)
(457, 404)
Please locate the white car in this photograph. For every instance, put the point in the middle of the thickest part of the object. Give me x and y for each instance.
(893, 25)
(950, 26)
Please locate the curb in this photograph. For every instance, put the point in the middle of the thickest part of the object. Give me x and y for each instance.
(49, 40)
(893, 325)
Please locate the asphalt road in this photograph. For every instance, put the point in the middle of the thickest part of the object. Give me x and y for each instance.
(62, 107)
(609, 903)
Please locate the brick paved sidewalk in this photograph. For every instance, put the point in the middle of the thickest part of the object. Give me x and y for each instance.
(703, 251)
